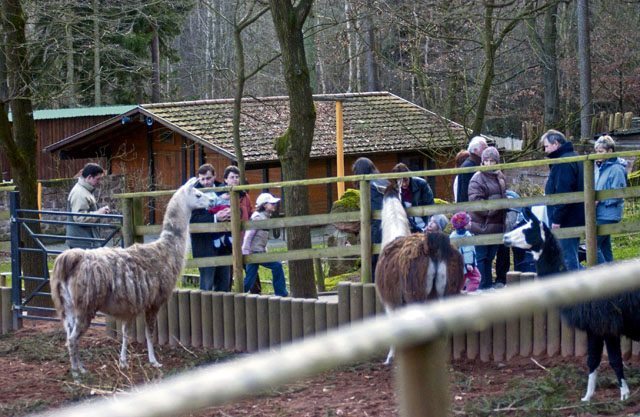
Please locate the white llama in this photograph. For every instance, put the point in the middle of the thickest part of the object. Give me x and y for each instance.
(124, 282)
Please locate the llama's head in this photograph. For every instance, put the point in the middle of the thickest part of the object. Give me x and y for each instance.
(528, 234)
(194, 198)
(394, 188)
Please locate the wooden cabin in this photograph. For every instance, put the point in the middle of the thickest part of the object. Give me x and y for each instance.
(159, 146)
(54, 125)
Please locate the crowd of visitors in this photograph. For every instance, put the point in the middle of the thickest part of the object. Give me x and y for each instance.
(414, 191)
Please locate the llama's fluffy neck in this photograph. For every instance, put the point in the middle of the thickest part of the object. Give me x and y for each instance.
(550, 260)
(175, 226)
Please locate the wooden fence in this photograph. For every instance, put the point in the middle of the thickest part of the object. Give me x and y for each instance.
(252, 323)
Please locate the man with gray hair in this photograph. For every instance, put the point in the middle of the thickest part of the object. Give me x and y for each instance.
(564, 178)
(476, 146)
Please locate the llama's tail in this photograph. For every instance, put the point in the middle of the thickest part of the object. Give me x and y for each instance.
(63, 268)
(395, 222)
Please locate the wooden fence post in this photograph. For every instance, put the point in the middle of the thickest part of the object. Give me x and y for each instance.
(184, 316)
(590, 228)
(174, 323)
(422, 380)
(344, 303)
(236, 248)
(365, 232)
(217, 314)
(251, 315)
(207, 319)
(274, 321)
(240, 321)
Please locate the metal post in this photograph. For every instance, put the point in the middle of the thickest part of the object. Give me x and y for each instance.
(16, 267)
(365, 232)
(236, 248)
(590, 228)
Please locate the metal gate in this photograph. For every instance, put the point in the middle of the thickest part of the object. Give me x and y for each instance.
(49, 242)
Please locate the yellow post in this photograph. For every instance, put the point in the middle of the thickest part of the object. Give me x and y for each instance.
(339, 148)
(40, 198)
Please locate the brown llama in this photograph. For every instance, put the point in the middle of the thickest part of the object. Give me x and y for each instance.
(124, 282)
(414, 268)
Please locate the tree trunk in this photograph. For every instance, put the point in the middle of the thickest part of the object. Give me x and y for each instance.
(155, 66)
(373, 83)
(70, 76)
(550, 69)
(237, 102)
(584, 64)
(489, 70)
(97, 85)
(19, 140)
(294, 146)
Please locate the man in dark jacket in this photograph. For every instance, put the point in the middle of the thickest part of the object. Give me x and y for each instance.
(476, 146)
(564, 178)
(217, 278)
(415, 192)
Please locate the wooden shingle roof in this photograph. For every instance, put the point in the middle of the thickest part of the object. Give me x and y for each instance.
(373, 123)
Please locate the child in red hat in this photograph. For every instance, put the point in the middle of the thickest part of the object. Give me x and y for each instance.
(459, 221)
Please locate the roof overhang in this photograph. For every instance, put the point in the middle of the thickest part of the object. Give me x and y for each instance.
(83, 144)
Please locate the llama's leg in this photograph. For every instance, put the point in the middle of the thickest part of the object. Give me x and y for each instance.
(77, 328)
(431, 276)
(595, 344)
(615, 360)
(441, 279)
(389, 359)
(150, 324)
(125, 342)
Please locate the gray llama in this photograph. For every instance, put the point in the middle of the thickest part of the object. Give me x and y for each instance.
(124, 282)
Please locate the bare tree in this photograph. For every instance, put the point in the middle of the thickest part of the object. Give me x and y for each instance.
(294, 146)
(18, 140)
(584, 63)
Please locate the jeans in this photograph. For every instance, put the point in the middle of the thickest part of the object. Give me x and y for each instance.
(484, 256)
(216, 278)
(277, 274)
(570, 252)
(605, 253)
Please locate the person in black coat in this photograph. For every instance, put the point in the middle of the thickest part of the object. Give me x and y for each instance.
(217, 278)
(415, 192)
(564, 178)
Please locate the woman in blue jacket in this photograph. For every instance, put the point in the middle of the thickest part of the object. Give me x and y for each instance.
(610, 173)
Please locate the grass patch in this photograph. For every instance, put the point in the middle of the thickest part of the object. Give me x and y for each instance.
(548, 395)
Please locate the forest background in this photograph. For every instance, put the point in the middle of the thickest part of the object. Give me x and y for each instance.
(444, 55)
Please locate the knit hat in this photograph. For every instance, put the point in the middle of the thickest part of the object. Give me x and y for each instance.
(491, 153)
(439, 219)
(460, 220)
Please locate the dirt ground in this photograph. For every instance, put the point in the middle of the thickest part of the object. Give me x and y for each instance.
(34, 377)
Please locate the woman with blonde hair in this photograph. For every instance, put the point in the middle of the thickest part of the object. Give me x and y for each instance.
(610, 173)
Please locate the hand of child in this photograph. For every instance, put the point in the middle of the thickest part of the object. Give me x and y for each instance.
(469, 267)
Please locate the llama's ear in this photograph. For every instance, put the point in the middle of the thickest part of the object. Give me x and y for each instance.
(192, 182)
(527, 213)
